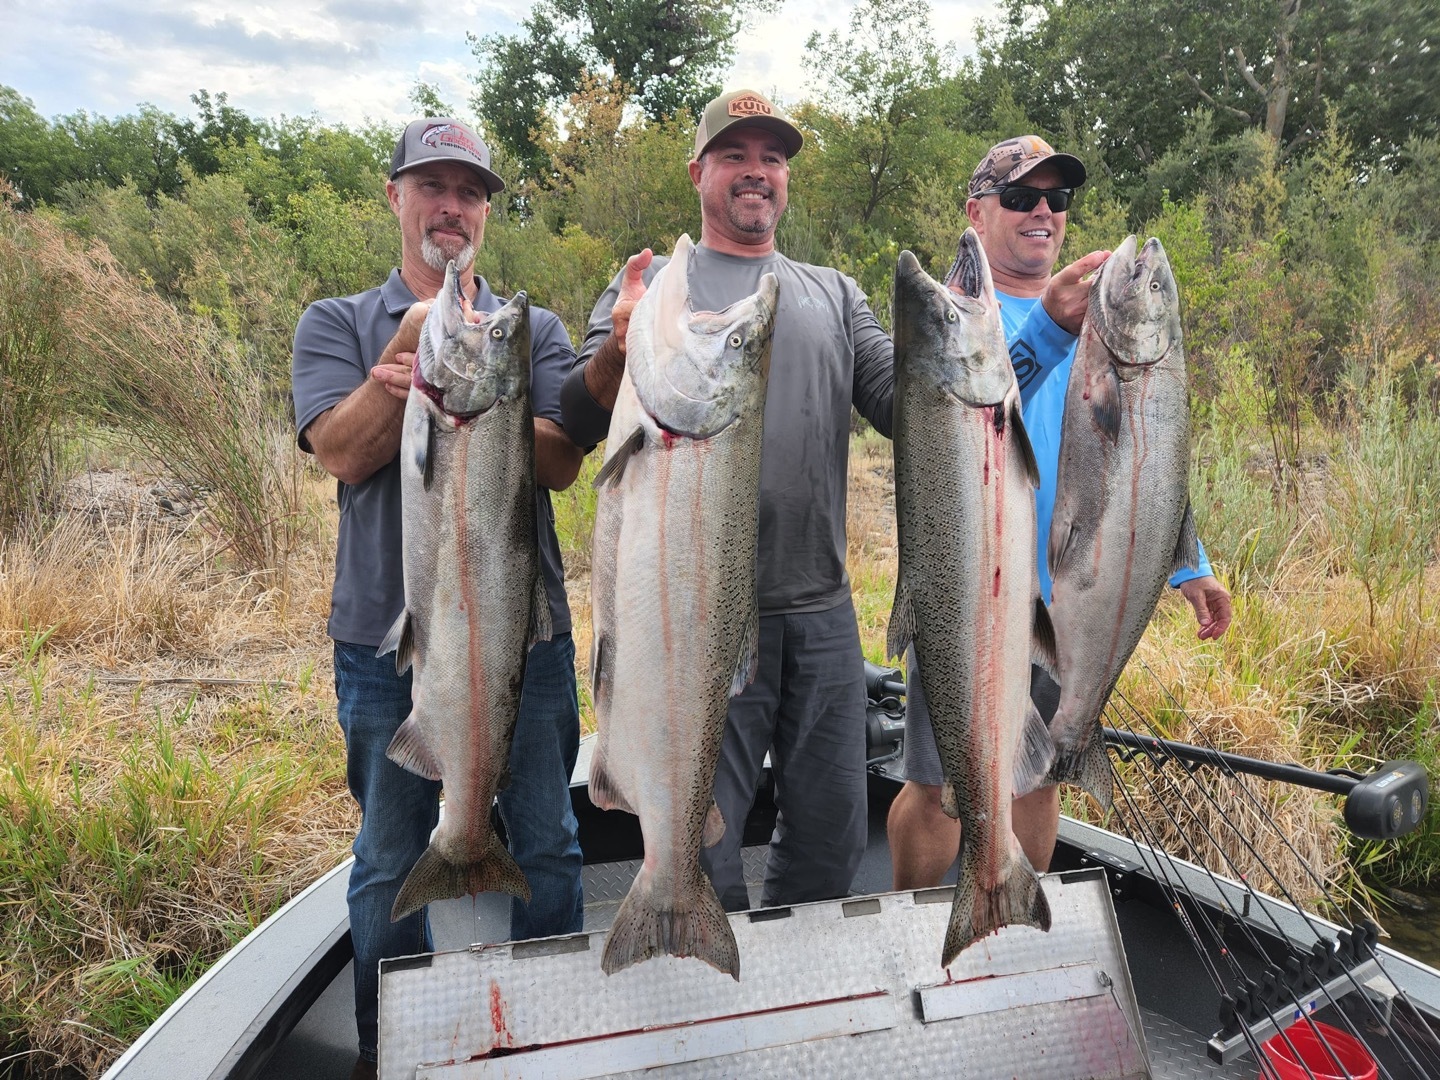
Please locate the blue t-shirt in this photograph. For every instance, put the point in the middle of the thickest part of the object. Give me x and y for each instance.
(1042, 354)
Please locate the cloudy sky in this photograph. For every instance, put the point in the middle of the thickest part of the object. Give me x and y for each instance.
(343, 60)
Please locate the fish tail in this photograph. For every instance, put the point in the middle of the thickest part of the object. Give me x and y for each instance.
(694, 925)
(435, 877)
(1087, 765)
(1018, 899)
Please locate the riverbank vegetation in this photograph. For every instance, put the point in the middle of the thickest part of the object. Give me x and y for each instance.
(172, 771)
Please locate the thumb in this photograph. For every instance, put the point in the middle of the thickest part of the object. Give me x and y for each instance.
(636, 265)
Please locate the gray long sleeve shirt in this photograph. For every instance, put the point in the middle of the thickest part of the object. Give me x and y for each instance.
(828, 352)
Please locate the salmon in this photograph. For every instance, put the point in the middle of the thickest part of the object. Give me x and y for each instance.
(968, 592)
(673, 593)
(474, 596)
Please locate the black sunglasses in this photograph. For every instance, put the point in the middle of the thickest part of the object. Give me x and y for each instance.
(1024, 199)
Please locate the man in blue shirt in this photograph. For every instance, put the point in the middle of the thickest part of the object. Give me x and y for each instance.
(1019, 196)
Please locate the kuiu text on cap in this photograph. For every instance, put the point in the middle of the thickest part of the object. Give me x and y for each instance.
(750, 105)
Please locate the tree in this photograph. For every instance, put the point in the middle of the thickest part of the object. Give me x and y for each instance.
(668, 52)
(1139, 73)
(884, 115)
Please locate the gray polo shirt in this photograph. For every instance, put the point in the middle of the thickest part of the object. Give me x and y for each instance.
(828, 352)
(337, 342)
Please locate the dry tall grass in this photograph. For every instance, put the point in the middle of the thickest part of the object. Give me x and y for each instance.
(173, 770)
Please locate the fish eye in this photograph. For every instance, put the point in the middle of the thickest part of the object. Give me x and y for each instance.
(497, 333)
(1154, 286)
(950, 315)
(736, 341)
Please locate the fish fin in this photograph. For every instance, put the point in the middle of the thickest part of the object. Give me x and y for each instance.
(714, 826)
(541, 627)
(1087, 766)
(400, 639)
(614, 467)
(1042, 639)
(1187, 544)
(1019, 899)
(749, 660)
(1034, 754)
(436, 878)
(1022, 442)
(604, 792)
(950, 800)
(1105, 403)
(693, 924)
(423, 447)
(902, 620)
(411, 752)
(1062, 532)
(599, 650)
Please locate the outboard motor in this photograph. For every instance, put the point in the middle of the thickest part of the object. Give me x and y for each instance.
(884, 713)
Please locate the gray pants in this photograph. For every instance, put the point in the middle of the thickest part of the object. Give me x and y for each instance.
(807, 707)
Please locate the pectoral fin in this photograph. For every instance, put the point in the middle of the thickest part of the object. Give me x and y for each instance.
(401, 641)
(541, 626)
(1043, 639)
(1104, 391)
(1022, 442)
(748, 661)
(1034, 755)
(1187, 545)
(410, 751)
(614, 467)
(902, 621)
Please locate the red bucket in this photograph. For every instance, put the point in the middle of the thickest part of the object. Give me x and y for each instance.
(1345, 1057)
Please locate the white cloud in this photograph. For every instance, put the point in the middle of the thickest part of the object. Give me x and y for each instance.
(346, 60)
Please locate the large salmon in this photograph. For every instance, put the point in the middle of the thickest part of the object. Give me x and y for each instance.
(1122, 522)
(673, 593)
(968, 593)
(474, 596)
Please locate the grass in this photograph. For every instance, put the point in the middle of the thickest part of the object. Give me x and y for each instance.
(149, 818)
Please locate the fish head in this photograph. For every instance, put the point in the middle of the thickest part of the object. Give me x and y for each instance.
(1135, 307)
(950, 335)
(469, 360)
(696, 372)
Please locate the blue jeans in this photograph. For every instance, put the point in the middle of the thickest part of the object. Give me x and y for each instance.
(399, 810)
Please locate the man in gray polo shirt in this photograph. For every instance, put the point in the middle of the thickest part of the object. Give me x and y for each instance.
(351, 372)
(807, 703)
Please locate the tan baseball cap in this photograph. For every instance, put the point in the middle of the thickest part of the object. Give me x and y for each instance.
(737, 107)
(1007, 162)
(439, 138)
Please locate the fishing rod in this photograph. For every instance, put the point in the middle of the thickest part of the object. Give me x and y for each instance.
(1388, 803)
(1260, 1000)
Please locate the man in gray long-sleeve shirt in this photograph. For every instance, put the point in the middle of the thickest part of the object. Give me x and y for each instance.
(807, 703)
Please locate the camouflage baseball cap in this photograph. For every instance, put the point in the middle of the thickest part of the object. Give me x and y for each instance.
(439, 138)
(1007, 162)
(741, 107)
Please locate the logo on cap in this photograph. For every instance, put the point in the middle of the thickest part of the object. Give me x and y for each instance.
(450, 137)
(750, 105)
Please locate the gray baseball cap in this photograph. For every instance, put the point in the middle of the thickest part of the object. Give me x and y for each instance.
(439, 138)
(739, 108)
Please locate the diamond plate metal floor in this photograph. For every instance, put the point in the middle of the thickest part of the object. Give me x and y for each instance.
(1177, 1053)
